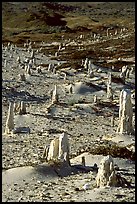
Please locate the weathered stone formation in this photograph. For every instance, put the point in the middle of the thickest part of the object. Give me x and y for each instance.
(106, 173)
(125, 113)
(10, 119)
(55, 95)
(58, 150)
(22, 109)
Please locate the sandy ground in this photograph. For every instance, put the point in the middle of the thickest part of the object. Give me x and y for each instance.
(25, 177)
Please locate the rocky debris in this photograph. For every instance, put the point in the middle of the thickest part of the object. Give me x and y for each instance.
(125, 113)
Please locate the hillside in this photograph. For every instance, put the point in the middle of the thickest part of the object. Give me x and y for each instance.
(54, 17)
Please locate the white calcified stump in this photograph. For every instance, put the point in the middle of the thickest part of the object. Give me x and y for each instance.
(95, 99)
(11, 55)
(54, 70)
(123, 76)
(32, 54)
(70, 89)
(45, 152)
(112, 67)
(34, 61)
(82, 63)
(53, 150)
(110, 78)
(83, 161)
(123, 73)
(94, 36)
(108, 32)
(63, 148)
(18, 59)
(127, 73)
(22, 77)
(50, 67)
(125, 113)
(86, 63)
(124, 68)
(22, 108)
(16, 107)
(55, 95)
(132, 70)
(112, 121)
(10, 119)
(56, 54)
(65, 76)
(39, 69)
(109, 92)
(90, 70)
(116, 32)
(26, 67)
(5, 63)
(28, 71)
(60, 46)
(106, 174)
